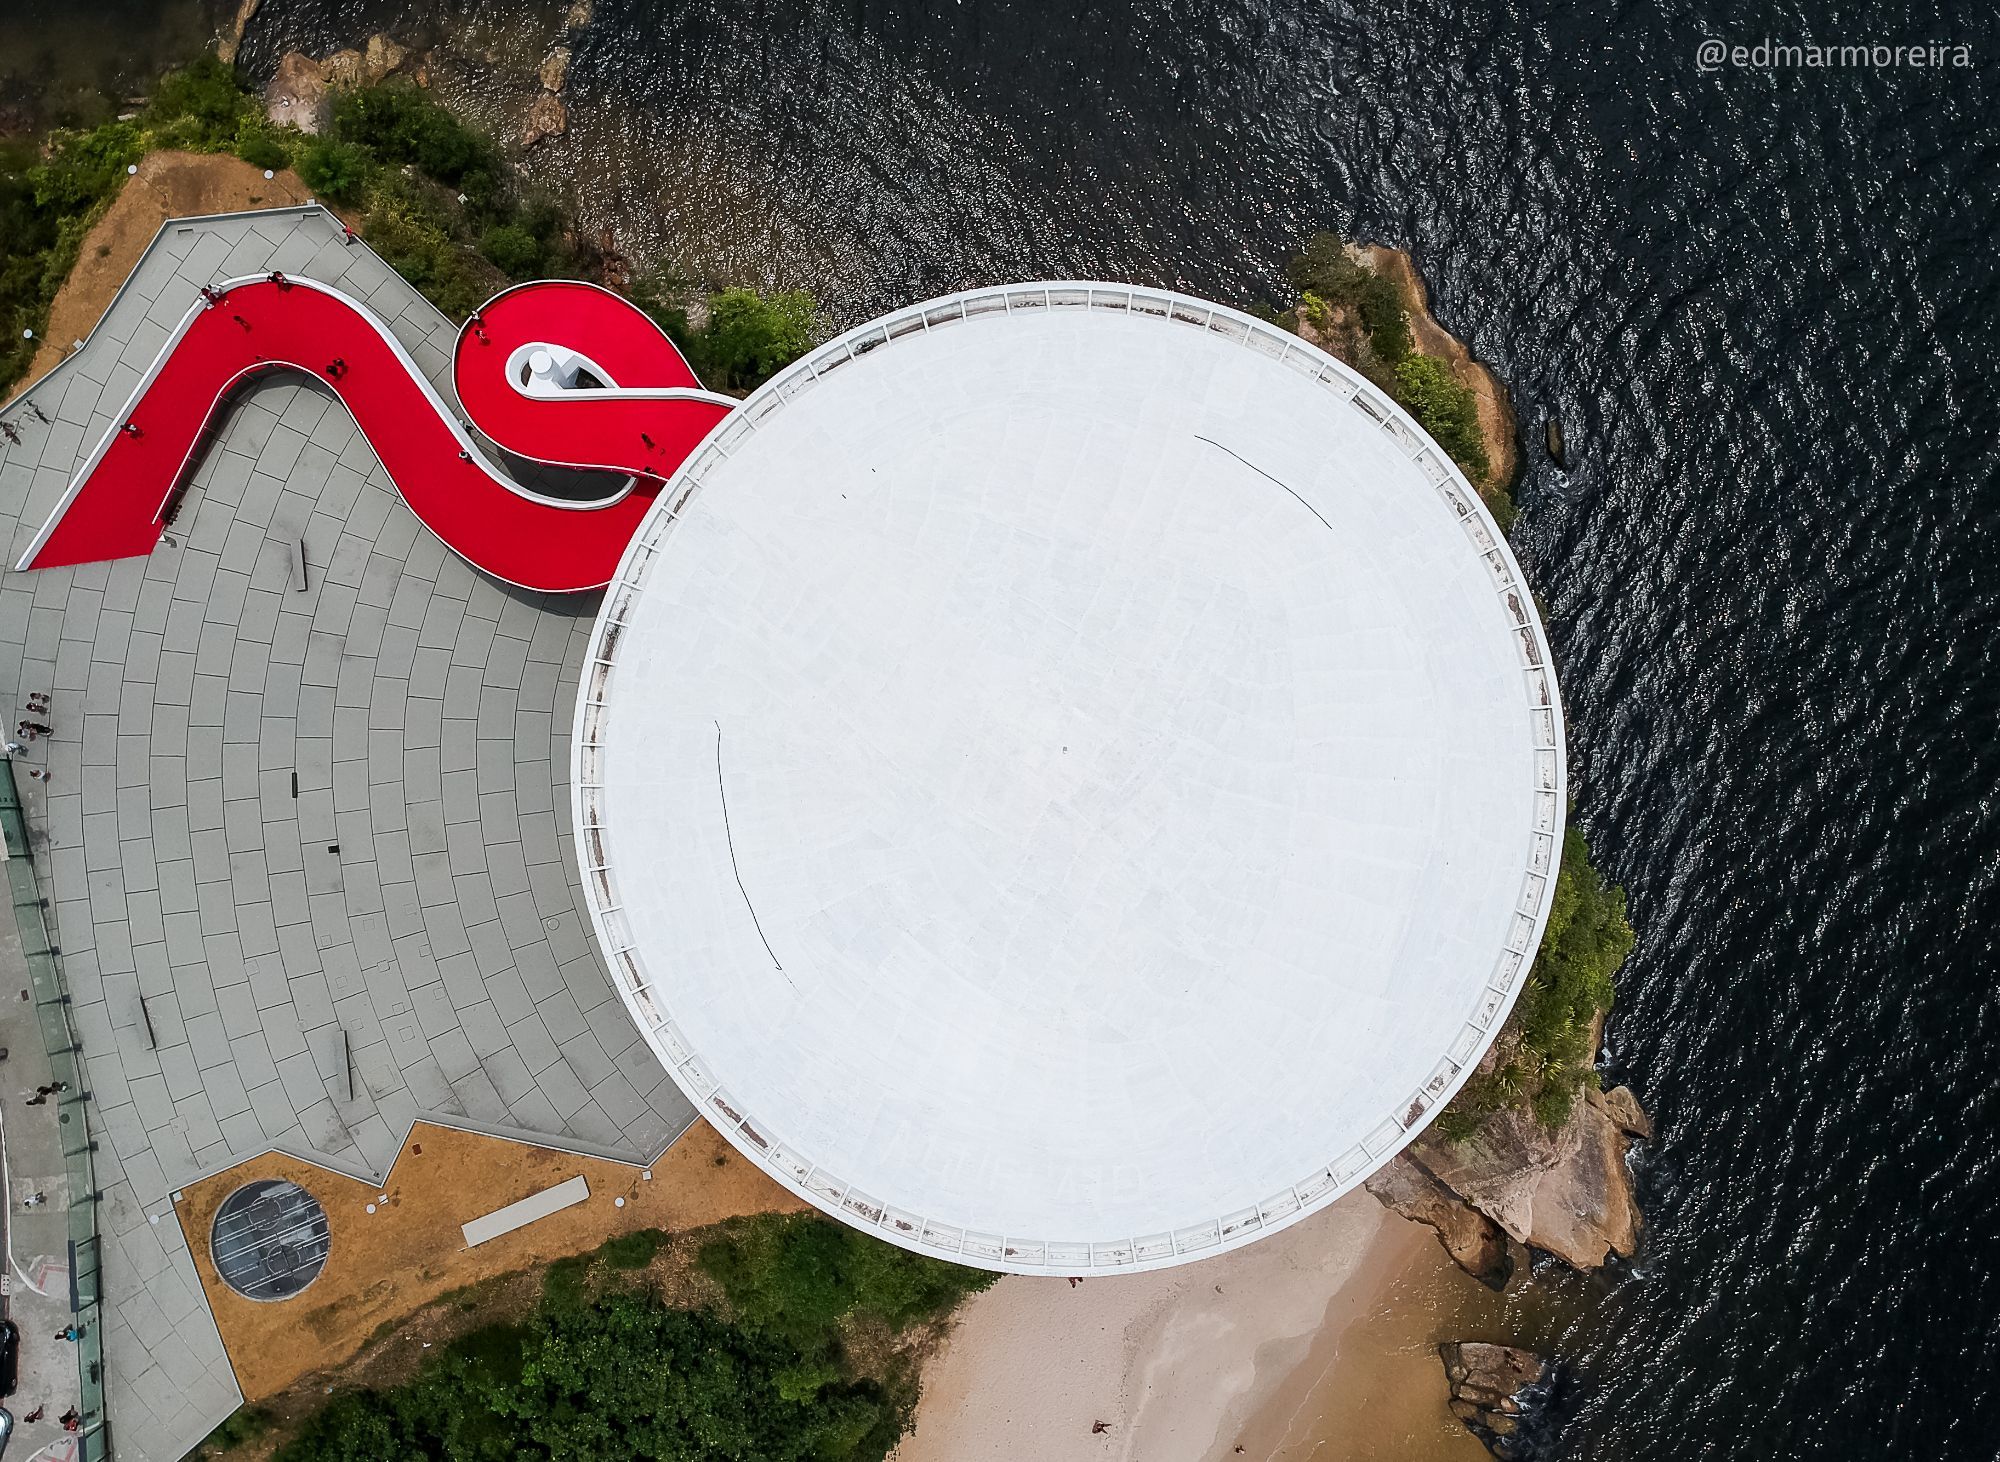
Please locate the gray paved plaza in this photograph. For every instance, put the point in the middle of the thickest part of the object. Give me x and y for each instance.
(284, 823)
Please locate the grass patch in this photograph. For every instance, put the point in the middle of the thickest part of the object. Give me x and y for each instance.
(634, 1250)
(1545, 1051)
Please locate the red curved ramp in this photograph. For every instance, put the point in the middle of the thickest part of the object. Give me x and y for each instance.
(653, 411)
(114, 505)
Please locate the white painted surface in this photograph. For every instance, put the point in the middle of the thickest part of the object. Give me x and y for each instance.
(566, 1194)
(1071, 780)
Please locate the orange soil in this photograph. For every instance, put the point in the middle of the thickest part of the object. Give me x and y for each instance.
(1496, 408)
(386, 1264)
(167, 185)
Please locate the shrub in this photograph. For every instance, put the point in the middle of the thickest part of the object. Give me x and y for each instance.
(399, 124)
(334, 169)
(512, 250)
(634, 1250)
(244, 1424)
(205, 99)
(621, 1376)
(1546, 1056)
(1445, 409)
(751, 337)
(83, 168)
(1325, 270)
(797, 1276)
(262, 150)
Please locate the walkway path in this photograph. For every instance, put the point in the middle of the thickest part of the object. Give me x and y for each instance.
(307, 844)
(36, 1233)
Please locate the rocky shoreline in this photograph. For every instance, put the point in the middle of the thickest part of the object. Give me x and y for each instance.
(1498, 1392)
(1565, 1192)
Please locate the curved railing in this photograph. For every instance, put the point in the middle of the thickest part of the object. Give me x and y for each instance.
(642, 988)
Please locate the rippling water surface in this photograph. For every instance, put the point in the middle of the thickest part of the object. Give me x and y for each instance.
(1764, 305)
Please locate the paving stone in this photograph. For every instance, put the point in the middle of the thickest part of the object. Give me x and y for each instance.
(425, 711)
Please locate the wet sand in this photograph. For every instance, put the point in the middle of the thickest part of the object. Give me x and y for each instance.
(1316, 1343)
(1372, 1389)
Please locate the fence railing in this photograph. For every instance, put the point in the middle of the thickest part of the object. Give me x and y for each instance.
(51, 996)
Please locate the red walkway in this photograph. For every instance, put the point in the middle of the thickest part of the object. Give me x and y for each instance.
(645, 429)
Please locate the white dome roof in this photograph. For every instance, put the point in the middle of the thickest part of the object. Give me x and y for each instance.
(1068, 778)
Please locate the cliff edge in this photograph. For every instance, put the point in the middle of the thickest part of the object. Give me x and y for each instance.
(1531, 1150)
(1564, 1191)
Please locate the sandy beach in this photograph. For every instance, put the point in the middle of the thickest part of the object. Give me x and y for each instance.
(1315, 1343)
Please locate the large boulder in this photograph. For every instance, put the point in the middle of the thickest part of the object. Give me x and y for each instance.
(297, 92)
(1567, 1192)
(1494, 1389)
(547, 117)
(1474, 1241)
(554, 70)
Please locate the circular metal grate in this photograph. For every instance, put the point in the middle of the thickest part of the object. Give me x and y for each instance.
(269, 1240)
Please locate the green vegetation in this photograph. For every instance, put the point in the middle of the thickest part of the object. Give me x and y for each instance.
(751, 337)
(50, 197)
(245, 1424)
(748, 337)
(1545, 1056)
(1445, 409)
(1324, 272)
(1332, 286)
(436, 199)
(606, 1368)
(634, 1250)
(799, 1278)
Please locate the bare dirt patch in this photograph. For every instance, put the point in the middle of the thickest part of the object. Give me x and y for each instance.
(385, 1266)
(167, 185)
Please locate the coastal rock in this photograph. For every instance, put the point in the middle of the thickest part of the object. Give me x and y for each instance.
(227, 48)
(1475, 1242)
(1493, 1388)
(548, 117)
(579, 14)
(1552, 439)
(1622, 1107)
(343, 68)
(382, 57)
(1566, 1192)
(554, 73)
(297, 92)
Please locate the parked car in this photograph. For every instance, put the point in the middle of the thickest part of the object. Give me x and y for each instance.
(10, 1360)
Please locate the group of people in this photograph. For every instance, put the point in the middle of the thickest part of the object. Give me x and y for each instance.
(71, 1419)
(30, 728)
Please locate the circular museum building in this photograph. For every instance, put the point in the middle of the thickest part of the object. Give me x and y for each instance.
(1068, 778)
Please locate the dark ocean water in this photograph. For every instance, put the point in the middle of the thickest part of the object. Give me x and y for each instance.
(1766, 305)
